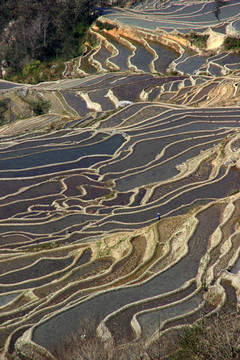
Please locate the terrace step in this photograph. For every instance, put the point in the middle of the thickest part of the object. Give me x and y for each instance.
(80, 234)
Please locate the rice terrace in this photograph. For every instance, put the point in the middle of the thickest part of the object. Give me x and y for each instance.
(119, 200)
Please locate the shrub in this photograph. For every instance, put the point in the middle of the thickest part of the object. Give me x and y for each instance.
(214, 338)
(3, 109)
(231, 43)
(198, 40)
(40, 106)
(105, 25)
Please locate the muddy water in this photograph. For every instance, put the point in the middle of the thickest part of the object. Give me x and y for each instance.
(86, 66)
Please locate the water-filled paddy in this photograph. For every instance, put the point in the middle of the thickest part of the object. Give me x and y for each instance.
(102, 55)
(228, 59)
(191, 65)
(21, 206)
(41, 268)
(123, 53)
(202, 173)
(208, 191)
(120, 322)
(171, 146)
(49, 227)
(214, 70)
(62, 138)
(151, 321)
(28, 278)
(158, 172)
(108, 146)
(77, 208)
(50, 333)
(100, 97)
(142, 58)
(5, 299)
(76, 102)
(47, 188)
(116, 119)
(5, 85)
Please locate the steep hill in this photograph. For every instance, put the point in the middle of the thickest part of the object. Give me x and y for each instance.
(119, 189)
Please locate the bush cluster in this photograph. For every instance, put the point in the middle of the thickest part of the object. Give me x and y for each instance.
(3, 109)
(198, 40)
(105, 25)
(231, 43)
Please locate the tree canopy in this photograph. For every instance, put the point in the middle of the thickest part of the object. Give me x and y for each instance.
(43, 29)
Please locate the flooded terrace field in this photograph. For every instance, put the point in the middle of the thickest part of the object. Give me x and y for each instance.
(122, 203)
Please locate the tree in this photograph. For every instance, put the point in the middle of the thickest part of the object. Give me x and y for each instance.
(41, 107)
(84, 345)
(214, 338)
(3, 109)
(43, 30)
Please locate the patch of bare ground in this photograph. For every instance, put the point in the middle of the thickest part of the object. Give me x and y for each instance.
(166, 228)
(128, 264)
(143, 274)
(105, 276)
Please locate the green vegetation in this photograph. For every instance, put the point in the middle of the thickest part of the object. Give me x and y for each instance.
(231, 43)
(190, 344)
(3, 109)
(46, 246)
(110, 195)
(37, 104)
(234, 192)
(21, 356)
(105, 25)
(109, 183)
(173, 73)
(222, 146)
(47, 31)
(197, 40)
(105, 250)
(40, 107)
(214, 338)
(36, 71)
